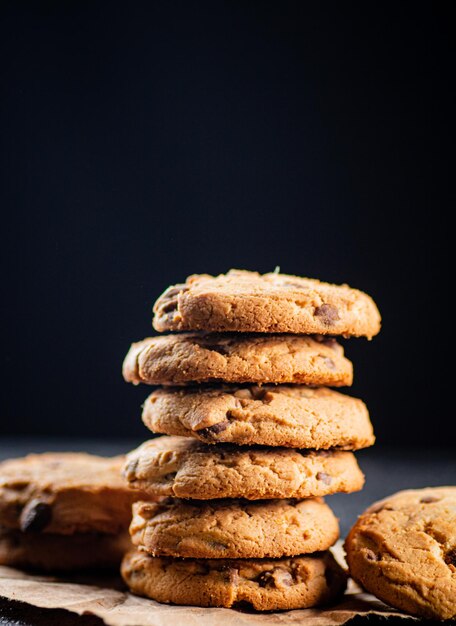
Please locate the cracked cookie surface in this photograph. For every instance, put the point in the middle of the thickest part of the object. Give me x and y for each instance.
(64, 493)
(246, 301)
(292, 416)
(185, 468)
(233, 528)
(264, 584)
(198, 357)
(403, 550)
(51, 552)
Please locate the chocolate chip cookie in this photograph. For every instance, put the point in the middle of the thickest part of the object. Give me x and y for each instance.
(291, 416)
(197, 358)
(245, 301)
(233, 528)
(64, 493)
(185, 468)
(263, 584)
(403, 550)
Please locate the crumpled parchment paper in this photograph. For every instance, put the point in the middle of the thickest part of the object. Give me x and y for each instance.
(106, 598)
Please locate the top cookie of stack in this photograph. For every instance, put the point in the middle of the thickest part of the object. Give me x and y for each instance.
(245, 301)
(268, 354)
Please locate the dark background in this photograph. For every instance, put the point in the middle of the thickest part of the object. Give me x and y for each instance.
(142, 142)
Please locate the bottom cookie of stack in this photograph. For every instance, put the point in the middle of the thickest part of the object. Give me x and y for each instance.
(265, 584)
(270, 554)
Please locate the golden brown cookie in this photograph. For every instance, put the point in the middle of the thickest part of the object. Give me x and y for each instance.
(291, 416)
(196, 357)
(65, 493)
(403, 550)
(52, 552)
(233, 528)
(264, 584)
(185, 468)
(269, 303)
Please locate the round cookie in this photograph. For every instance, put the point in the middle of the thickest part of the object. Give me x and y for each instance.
(245, 301)
(185, 468)
(50, 552)
(196, 357)
(403, 550)
(233, 528)
(266, 585)
(291, 416)
(65, 493)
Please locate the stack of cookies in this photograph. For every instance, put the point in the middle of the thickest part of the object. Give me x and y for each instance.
(254, 440)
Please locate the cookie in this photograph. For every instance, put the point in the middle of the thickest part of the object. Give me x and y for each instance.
(262, 584)
(403, 550)
(185, 468)
(51, 552)
(196, 357)
(244, 301)
(290, 416)
(233, 528)
(65, 493)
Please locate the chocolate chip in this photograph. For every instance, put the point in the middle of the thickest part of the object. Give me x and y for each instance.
(168, 307)
(324, 477)
(328, 313)
(429, 499)
(218, 428)
(329, 341)
(283, 578)
(256, 392)
(277, 579)
(35, 516)
(232, 574)
(265, 579)
(450, 557)
(130, 469)
(174, 291)
(266, 396)
(329, 363)
(210, 432)
(217, 545)
(168, 301)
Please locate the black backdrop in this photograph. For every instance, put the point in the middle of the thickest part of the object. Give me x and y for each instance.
(142, 142)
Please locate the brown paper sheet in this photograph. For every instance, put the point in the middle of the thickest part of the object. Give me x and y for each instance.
(107, 599)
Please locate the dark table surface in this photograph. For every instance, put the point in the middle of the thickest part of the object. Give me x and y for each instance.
(387, 470)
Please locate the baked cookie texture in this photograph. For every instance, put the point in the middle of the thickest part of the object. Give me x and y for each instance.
(291, 416)
(264, 584)
(233, 528)
(186, 468)
(51, 552)
(201, 357)
(403, 550)
(65, 493)
(245, 301)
